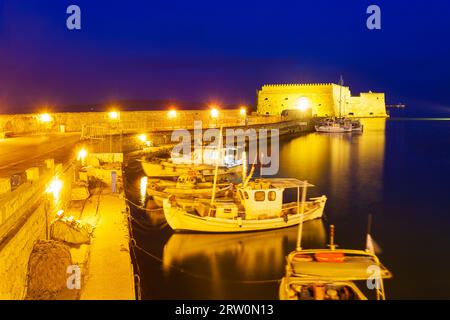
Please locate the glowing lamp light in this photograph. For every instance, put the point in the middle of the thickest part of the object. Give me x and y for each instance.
(303, 104)
(114, 115)
(214, 113)
(45, 117)
(82, 154)
(55, 188)
(243, 111)
(142, 138)
(172, 113)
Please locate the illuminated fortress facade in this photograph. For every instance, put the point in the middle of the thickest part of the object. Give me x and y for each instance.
(320, 99)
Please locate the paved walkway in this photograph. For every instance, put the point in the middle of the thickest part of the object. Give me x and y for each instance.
(19, 153)
(109, 269)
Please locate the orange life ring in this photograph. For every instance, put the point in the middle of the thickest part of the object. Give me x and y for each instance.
(329, 256)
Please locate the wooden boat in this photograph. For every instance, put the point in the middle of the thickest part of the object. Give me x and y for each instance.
(340, 124)
(331, 125)
(203, 161)
(258, 206)
(357, 126)
(187, 193)
(331, 274)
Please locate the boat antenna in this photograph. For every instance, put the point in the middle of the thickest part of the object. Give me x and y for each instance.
(341, 83)
(216, 170)
(252, 170)
(244, 165)
(301, 209)
(261, 164)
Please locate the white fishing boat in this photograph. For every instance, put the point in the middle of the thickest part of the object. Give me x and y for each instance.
(258, 206)
(332, 274)
(201, 161)
(331, 125)
(159, 195)
(339, 124)
(357, 126)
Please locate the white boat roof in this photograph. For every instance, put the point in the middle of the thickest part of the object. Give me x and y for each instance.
(354, 267)
(287, 183)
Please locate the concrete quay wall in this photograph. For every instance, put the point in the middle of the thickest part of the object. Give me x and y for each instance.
(124, 121)
(22, 223)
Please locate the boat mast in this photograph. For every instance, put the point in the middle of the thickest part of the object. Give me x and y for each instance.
(301, 209)
(244, 165)
(216, 170)
(341, 83)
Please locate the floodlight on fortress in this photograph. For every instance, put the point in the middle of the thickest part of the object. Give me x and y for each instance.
(243, 111)
(303, 104)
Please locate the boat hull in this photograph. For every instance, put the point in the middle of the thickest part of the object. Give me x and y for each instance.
(180, 220)
(331, 129)
(152, 169)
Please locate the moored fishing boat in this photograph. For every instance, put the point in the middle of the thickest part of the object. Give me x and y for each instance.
(331, 125)
(331, 274)
(357, 125)
(257, 206)
(202, 161)
(159, 195)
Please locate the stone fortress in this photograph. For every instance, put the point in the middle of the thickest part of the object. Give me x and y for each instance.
(319, 100)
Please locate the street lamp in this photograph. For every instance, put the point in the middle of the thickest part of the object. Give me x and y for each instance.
(214, 112)
(82, 154)
(172, 113)
(114, 115)
(142, 138)
(45, 117)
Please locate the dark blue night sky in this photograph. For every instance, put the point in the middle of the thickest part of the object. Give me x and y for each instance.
(220, 51)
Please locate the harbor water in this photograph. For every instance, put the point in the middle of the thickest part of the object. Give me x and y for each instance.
(396, 170)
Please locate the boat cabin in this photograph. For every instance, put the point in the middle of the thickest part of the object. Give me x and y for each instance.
(263, 198)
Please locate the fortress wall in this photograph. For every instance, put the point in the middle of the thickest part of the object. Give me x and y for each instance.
(324, 100)
(371, 104)
(273, 99)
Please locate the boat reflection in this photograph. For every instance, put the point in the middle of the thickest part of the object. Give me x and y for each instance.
(343, 166)
(253, 255)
